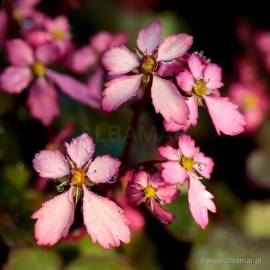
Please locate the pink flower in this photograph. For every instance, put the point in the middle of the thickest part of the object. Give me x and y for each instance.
(188, 163)
(154, 192)
(252, 100)
(104, 220)
(200, 82)
(30, 66)
(141, 69)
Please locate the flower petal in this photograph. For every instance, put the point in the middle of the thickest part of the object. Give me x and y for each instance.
(48, 53)
(50, 164)
(225, 116)
(173, 173)
(168, 102)
(187, 146)
(54, 219)
(43, 101)
(119, 60)
(103, 169)
(19, 53)
(185, 80)
(200, 201)
(104, 220)
(205, 165)
(149, 38)
(81, 149)
(15, 79)
(196, 66)
(169, 153)
(213, 76)
(167, 193)
(174, 46)
(119, 91)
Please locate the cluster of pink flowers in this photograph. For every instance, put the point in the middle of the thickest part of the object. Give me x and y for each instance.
(178, 82)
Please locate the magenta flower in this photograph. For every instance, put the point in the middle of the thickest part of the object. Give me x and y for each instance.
(154, 192)
(188, 163)
(200, 82)
(253, 101)
(30, 68)
(104, 220)
(141, 69)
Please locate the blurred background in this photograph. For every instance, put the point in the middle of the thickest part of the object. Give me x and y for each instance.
(237, 41)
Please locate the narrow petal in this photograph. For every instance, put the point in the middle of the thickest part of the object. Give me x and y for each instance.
(104, 220)
(81, 149)
(185, 81)
(48, 53)
(196, 66)
(95, 85)
(50, 164)
(54, 219)
(205, 165)
(119, 91)
(19, 53)
(213, 76)
(14, 79)
(103, 169)
(174, 46)
(73, 88)
(173, 173)
(149, 37)
(141, 179)
(169, 153)
(168, 101)
(187, 146)
(43, 102)
(200, 201)
(119, 60)
(159, 212)
(225, 116)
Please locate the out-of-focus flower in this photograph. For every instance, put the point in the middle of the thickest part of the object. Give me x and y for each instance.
(154, 192)
(23, 9)
(104, 220)
(3, 26)
(31, 66)
(200, 82)
(252, 100)
(141, 70)
(188, 163)
(262, 41)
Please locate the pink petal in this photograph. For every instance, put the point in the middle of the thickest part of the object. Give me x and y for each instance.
(19, 53)
(50, 164)
(134, 217)
(169, 153)
(173, 173)
(200, 201)
(174, 46)
(81, 149)
(135, 193)
(187, 146)
(225, 116)
(103, 169)
(119, 60)
(141, 179)
(48, 53)
(213, 76)
(167, 193)
(104, 220)
(3, 25)
(196, 66)
(168, 102)
(54, 219)
(102, 41)
(149, 38)
(205, 165)
(159, 212)
(15, 79)
(73, 88)
(119, 91)
(193, 111)
(95, 85)
(43, 101)
(37, 37)
(185, 81)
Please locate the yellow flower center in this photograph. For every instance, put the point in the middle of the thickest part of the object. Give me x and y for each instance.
(200, 88)
(17, 15)
(149, 64)
(149, 192)
(187, 163)
(77, 178)
(250, 101)
(38, 69)
(58, 35)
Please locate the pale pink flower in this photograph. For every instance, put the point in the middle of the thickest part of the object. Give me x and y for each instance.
(253, 101)
(104, 220)
(154, 192)
(135, 70)
(201, 81)
(188, 163)
(30, 68)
